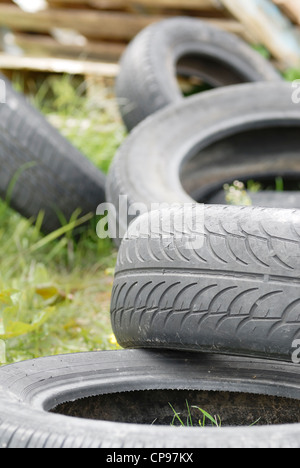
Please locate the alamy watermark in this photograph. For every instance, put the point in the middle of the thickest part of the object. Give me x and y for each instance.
(296, 353)
(296, 92)
(184, 222)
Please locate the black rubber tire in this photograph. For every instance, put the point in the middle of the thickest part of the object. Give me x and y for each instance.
(230, 285)
(50, 174)
(198, 144)
(147, 80)
(29, 390)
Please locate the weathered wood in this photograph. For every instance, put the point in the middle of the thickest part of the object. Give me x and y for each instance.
(291, 7)
(46, 46)
(199, 5)
(73, 67)
(94, 24)
(179, 4)
(115, 26)
(270, 27)
(100, 4)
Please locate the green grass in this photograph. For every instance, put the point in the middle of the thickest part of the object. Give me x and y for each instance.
(292, 74)
(203, 420)
(55, 292)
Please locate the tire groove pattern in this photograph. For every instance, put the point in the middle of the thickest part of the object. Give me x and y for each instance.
(239, 292)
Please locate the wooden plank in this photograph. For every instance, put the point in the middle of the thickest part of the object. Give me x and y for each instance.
(100, 4)
(231, 26)
(46, 46)
(178, 4)
(199, 5)
(291, 7)
(94, 24)
(271, 28)
(53, 65)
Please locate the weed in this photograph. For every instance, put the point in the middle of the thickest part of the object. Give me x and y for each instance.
(205, 419)
(202, 422)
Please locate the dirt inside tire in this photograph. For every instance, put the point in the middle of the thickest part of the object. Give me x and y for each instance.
(153, 407)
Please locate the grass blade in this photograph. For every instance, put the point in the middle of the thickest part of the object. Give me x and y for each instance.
(15, 178)
(60, 232)
(208, 416)
(256, 422)
(189, 419)
(176, 416)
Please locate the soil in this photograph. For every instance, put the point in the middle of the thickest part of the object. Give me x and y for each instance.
(152, 407)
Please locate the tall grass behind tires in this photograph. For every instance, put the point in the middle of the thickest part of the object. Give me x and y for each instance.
(55, 289)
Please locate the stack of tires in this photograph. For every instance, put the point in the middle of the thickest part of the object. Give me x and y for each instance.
(206, 295)
(205, 277)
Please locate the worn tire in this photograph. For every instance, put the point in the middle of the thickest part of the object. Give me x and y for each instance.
(29, 390)
(187, 151)
(226, 282)
(50, 174)
(147, 79)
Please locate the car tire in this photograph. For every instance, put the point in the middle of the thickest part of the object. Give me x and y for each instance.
(40, 169)
(147, 80)
(188, 151)
(215, 279)
(55, 402)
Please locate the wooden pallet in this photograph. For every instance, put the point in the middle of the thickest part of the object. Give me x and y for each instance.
(93, 32)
